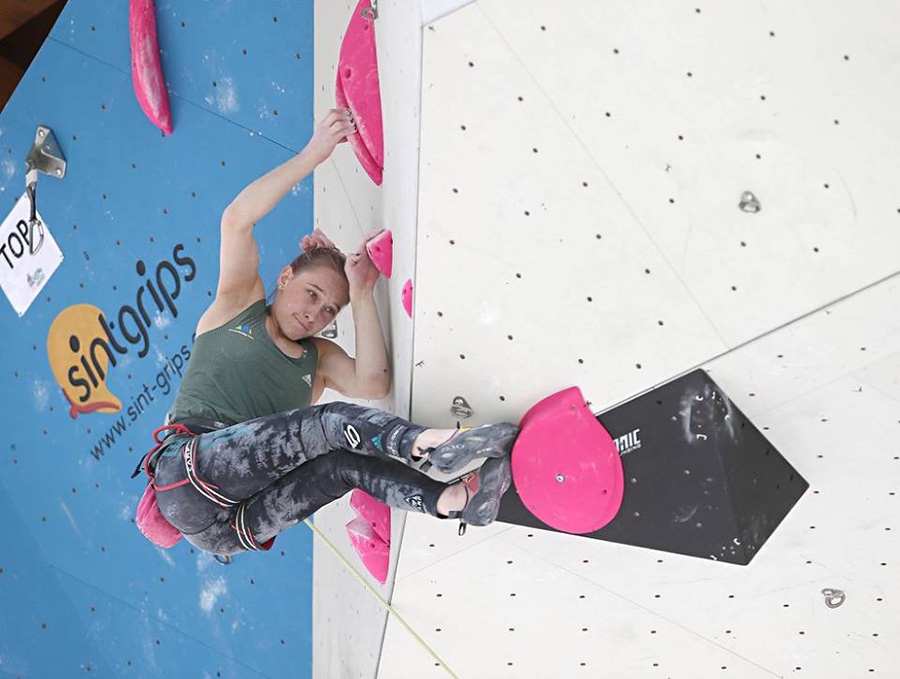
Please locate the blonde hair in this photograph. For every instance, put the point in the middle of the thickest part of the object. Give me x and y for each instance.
(329, 257)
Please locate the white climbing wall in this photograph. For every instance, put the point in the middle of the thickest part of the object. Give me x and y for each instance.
(349, 620)
(580, 172)
(581, 181)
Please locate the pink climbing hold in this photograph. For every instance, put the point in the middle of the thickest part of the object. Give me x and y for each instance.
(381, 252)
(374, 552)
(566, 466)
(357, 88)
(408, 297)
(146, 69)
(365, 159)
(377, 514)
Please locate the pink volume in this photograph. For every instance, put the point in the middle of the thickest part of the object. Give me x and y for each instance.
(566, 466)
(357, 88)
(146, 70)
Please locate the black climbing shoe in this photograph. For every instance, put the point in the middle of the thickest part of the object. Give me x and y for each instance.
(484, 489)
(490, 440)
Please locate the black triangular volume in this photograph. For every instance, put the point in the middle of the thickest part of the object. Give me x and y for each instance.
(700, 478)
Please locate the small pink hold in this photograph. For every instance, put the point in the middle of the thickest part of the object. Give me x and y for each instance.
(374, 552)
(381, 252)
(376, 513)
(408, 297)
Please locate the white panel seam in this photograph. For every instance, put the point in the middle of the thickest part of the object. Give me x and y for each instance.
(648, 610)
(752, 340)
(454, 555)
(431, 18)
(605, 176)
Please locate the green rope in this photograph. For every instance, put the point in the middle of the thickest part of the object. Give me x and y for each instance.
(390, 609)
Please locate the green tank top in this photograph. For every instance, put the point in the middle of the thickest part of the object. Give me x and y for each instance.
(237, 373)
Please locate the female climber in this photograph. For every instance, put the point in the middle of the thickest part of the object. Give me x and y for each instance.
(246, 454)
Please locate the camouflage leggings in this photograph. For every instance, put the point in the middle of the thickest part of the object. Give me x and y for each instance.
(281, 468)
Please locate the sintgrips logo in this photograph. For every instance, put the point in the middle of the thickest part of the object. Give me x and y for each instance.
(83, 342)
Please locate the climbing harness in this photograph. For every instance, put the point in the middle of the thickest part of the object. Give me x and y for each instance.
(149, 518)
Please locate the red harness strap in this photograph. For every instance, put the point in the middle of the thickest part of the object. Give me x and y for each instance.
(245, 537)
(208, 490)
(145, 461)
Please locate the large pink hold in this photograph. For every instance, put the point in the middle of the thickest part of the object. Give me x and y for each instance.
(357, 88)
(566, 466)
(375, 513)
(381, 252)
(407, 296)
(146, 70)
(374, 552)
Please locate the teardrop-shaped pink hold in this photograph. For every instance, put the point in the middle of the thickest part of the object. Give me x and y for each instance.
(374, 552)
(381, 252)
(377, 514)
(408, 297)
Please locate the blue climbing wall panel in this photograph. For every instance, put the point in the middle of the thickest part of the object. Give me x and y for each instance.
(80, 589)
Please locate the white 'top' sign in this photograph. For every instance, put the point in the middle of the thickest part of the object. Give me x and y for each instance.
(23, 275)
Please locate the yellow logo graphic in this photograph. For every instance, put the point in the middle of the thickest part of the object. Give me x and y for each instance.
(78, 348)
